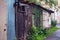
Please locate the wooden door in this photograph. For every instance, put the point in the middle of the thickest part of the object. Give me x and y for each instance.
(20, 25)
(23, 21)
(3, 21)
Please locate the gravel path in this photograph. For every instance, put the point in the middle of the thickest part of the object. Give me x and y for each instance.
(55, 35)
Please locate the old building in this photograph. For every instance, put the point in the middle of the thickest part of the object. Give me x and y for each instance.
(24, 16)
(27, 14)
(43, 15)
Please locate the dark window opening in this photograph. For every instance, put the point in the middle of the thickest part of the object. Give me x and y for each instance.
(21, 9)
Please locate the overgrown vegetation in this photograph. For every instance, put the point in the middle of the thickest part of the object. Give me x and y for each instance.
(49, 2)
(35, 35)
(53, 22)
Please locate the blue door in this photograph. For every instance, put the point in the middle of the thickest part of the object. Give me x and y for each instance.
(11, 20)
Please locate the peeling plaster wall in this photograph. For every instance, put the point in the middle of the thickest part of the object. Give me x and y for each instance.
(46, 20)
(3, 20)
(58, 13)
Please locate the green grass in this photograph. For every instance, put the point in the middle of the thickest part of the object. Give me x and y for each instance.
(49, 32)
(35, 36)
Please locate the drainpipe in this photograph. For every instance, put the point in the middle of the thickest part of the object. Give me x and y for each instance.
(16, 11)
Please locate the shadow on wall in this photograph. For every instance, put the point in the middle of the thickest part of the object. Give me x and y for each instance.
(11, 22)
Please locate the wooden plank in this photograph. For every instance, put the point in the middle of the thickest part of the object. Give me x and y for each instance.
(23, 22)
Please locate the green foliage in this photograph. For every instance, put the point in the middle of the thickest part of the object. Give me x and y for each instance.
(51, 30)
(34, 35)
(42, 32)
(55, 2)
(53, 22)
(49, 2)
(33, 29)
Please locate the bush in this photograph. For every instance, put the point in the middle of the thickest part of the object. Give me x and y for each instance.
(42, 32)
(33, 35)
(53, 22)
(36, 34)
